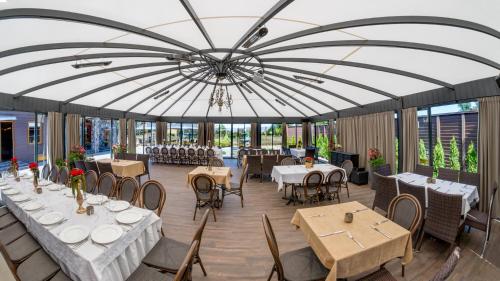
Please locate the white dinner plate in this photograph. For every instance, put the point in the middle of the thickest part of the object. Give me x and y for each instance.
(117, 206)
(20, 198)
(5, 187)
(2, 183)
(128, 217)
(97, 199)
(51, 218)
(74, 234)
(11, 191)
(106, 234)
(31, 206)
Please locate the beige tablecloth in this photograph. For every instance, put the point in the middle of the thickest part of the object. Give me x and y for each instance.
(125, 168)
(341, 254)
(221, 175)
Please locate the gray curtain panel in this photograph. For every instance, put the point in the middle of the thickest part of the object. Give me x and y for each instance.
(253, 135)
(409, 143)
(131, 136)
(72, 131)
(123, 131)
(210, 132)
(201, 133)
(489, 151)
(54, 137)
(359, 133)
(306, 134)
(284, 136)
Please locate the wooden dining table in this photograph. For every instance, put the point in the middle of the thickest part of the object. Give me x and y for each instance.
(349, 249)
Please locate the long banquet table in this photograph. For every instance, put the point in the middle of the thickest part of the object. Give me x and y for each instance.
(469, 192)
(294, 174)
(90, 261)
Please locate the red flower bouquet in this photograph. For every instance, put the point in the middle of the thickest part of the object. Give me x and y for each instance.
(375, 157)
(76, 172)
(33, 166)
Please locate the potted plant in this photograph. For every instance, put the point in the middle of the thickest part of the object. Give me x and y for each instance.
(375, 160)
(76, 153)
(117, 150)
(77, 180)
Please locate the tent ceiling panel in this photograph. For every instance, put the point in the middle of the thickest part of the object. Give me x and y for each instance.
(334, 53)
(138, 96)
(184, 31)
(131, 38)
(101, 97)
(14, 60)
(148, 104)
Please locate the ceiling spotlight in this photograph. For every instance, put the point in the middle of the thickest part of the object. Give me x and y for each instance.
(254, 38)
(91, 64)
(244, 86)
(180, 58)
(280, 102)
(162, 94)
(312, 80)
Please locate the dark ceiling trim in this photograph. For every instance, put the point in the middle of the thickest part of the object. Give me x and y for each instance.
(266, 101)
(383, 21)
(378, 43)
(82, 18)
(197, 21)
(365, 66)
(195, 98)
(183, 94)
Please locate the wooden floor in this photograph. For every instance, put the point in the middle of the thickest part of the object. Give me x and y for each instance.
(234, 247)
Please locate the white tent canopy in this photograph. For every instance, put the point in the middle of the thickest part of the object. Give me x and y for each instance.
(362, 51)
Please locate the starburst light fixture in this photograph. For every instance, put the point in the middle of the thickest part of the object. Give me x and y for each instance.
(220, 99)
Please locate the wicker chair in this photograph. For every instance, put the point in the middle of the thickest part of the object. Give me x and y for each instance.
(192, 158)
(152, 196)
(165, 156)
(254, 163)
(443, 216)
(288, 161)
(206, 194)
(63, 176)
(348, 166)
(236, 189)
(128, 190)
(333, 184)
(311, 185)
(54, 174)
(80, 164)
(216, 162)
(384, 170)
(91, 181)
(106, 184)
(104, 168)
(447, 174)
(144, 272)
(385, 191)
(202, 158)
(182, 156)
(415, 190)
(424, 170)
(268, 162)
(481, 220)
(45, 172)
(300, 264)
(167, 254)
(469, 178)
(92, 166)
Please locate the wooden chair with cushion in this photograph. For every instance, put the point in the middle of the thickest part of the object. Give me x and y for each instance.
(92, 166)
(311, 186)
(11, 233)
(469, 178)
(333, 184)
(384, 170)
(385, 191)
(482, 220)
(206, 194)
(45, 172)
(448, 174)
(104, 168)
(424, 170)
(7, 220)
(128, 190)
(297, 265)
(443, 217)
(254, 163)
(106, 184)
(348, 166)
(91, 181)
(63, 176)
(236, 188)
(168, 254)
(216, 162)
(144, 272)
(54, 174)
(152, 196)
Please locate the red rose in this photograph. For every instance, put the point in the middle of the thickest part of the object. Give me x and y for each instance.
(76, 172)
(33, 166)
(14, 159)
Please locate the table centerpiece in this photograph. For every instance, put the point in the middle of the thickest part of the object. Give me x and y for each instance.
(33, 166)
(77, 179)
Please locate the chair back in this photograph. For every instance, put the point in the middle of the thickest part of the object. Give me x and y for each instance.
(63, 176)
(181, 152)
(334, 179)
(313, 180)
(254, 164)
(348, 166)
(106, 184)
(80, 164)
(423, 170)
(210, 153)
(287, 151)
(92, 166)
(268, 162)
(148, 150)
(385, 191)
(54, 174)
(216, 162)
(310, 152)
(448, 174)
(45, 171)
(492, 202)
(129, 156)
(406, 211)
(173, 152)
(164, 151)
(273, 246)
(104, 167)
(200, 152)
(469, 178)
(288, 161)
(415, 190)
(241, 152)
(144, 158)
(443, 215)
(152, 196)
(156, 150)
(90, 181)
(204, 187)
(185, 268)
(199, 232)
(128, 190)
(384, 170)
(448, 267)
(244, 174)
(191, 152)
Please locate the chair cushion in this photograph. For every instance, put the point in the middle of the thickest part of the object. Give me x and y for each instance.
(167, 254)
(477, 219)
(7, 220)
(38, 267)
(11, 233)
(60, 276)
(3, 211)
(302, 264)
(144, 272)
(22, 248)
(379, 275)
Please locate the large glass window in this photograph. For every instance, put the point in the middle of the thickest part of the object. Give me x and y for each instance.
(240, 137)
(277, 136)
(139, 136)
(97, 136)
(321, 139)
(153, 134)
(270, 136)
(294, 135)
(222, 138)
(175, 133)
(189, 133)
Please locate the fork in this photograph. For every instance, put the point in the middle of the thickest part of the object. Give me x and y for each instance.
(333, 233)
(380, 222)
(359, 210)
(379, 231)
(354, 239)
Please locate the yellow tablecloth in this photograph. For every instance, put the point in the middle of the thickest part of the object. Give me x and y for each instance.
(341, 254)
(221, 175)
(125, 168)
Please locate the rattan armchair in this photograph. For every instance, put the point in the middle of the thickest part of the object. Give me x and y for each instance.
(385, 191)
(448, 174)
(424, 170)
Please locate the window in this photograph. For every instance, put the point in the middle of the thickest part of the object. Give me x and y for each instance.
(31, 133)
(222, 138)
(175, 133)
(139, 136)
(97, 136)
(321, 139)
(270, 136)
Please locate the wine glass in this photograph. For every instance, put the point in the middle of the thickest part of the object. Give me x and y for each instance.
(112, 203)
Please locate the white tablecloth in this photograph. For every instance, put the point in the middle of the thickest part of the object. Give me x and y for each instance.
(299, 153)
(90, 261)
(294, 174)
(469, 192)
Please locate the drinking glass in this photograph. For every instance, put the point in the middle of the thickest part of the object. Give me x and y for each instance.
(112, 203)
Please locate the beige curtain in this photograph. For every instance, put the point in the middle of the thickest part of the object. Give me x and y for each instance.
(54, 137)
(284, 136)
(489, 151)
(159, 133)
(131, 136)
(201, 133)
(358, 134)
(306, 134)
(123, 131)
(409, 144)
(210, 132)
(253, 135)
(72, 131)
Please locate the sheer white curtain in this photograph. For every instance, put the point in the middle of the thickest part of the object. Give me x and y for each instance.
(54, 137)
(410, 139)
